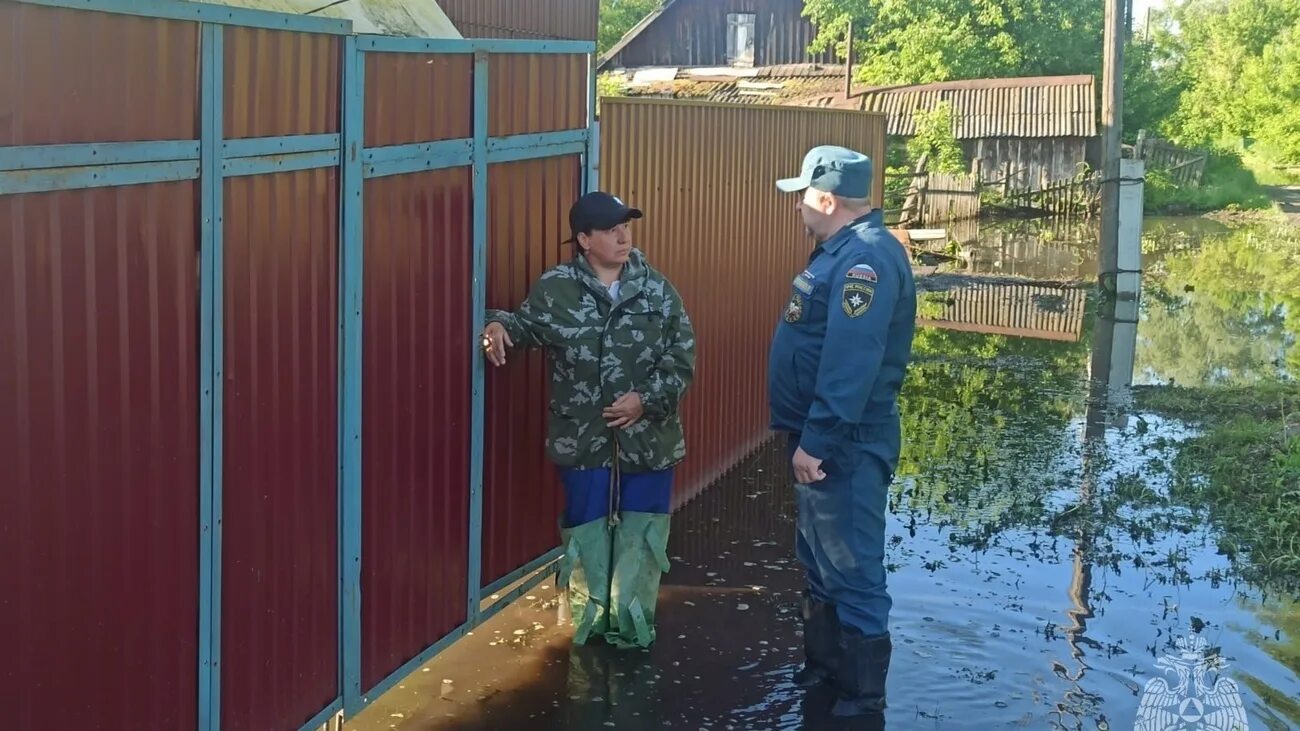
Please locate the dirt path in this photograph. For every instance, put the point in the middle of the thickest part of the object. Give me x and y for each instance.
(1288, 201)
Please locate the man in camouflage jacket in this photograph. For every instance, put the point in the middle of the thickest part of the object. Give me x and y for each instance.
(621, 354)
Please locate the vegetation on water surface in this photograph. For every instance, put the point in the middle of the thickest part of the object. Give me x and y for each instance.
(1245, 468)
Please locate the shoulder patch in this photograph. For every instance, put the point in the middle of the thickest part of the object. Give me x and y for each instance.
(857, 298)
(803, 284)
(863, 272)
(794, 310)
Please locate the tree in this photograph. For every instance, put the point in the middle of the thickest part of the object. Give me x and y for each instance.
(617, 17)
(1241, 59)
(934, 137)
(940, 40)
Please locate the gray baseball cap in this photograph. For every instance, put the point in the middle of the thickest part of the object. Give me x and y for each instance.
(830, 169)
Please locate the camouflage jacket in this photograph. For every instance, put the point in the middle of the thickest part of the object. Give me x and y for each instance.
(597, 351)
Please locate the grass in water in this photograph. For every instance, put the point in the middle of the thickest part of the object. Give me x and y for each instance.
(1245, 467)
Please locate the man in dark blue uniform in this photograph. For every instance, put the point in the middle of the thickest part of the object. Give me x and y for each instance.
(837, 363)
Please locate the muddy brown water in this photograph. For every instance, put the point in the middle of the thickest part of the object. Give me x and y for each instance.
(1042, 576)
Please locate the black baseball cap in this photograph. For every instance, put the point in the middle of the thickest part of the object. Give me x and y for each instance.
(598, 211)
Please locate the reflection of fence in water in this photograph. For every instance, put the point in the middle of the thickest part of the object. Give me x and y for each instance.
(1058, 248)
(1021, 310)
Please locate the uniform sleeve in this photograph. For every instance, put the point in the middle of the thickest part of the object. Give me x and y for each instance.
(675, 369)
(860, 306)
(530, 325)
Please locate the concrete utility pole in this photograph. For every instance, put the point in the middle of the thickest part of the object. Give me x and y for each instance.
(1112, 114)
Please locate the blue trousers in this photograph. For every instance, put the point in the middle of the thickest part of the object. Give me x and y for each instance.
(587, 498)
(841, 531)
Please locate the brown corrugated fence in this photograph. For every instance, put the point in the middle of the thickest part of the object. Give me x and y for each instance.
(728, 240)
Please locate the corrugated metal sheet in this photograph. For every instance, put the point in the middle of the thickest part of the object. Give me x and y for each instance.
(1047, 106)
(528, 218)
(418, 98)
(127, 78)
(1017, 310)
(566, 19)
(99, 451)
(279, 624)
(536, 93)
(694, 33)
(281, 83)
(416, 420)
(729, 241)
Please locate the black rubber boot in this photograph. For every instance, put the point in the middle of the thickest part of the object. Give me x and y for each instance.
(864, 663)
(821, 644)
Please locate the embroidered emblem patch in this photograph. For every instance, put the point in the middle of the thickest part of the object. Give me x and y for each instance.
(857, 298)
(794, 310)
(863, 272)
(803, 285)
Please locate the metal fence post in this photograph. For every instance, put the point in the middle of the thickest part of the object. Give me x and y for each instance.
(211, 346)
(351, 321)
(479, 303)
(591, 178)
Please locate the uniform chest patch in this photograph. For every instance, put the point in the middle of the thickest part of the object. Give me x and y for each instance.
(863, 272)
(794, 310)
(857, 298)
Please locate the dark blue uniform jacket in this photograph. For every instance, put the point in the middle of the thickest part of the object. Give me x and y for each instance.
(842, 347)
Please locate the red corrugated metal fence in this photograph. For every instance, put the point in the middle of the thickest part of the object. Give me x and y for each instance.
(98, 384)
(728, 240)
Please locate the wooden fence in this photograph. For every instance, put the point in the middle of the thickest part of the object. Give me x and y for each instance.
(1185, 167)
(949, 197)
(922, 197)
(1079, 196)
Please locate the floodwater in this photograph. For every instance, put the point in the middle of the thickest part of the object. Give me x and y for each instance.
(1043, 574)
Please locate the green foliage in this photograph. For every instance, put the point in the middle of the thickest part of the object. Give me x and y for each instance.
(1152, 88)
(607, 85)
(1240, 63)
(617, 17)
(934, 137)
(938, 40)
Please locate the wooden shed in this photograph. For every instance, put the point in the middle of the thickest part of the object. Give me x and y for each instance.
(710, 33)
(1040, 128)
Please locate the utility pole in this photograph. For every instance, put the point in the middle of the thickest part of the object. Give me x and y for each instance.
(848, 63)
(1112, 114)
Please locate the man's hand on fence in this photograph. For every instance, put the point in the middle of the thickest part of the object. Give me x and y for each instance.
(495, 342)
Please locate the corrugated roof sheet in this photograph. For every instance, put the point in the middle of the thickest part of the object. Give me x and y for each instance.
(763, 85)
(423, 18)
(1040, 106)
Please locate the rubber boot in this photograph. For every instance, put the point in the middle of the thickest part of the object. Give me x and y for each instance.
(864, 664)
(640, 559)
(821, 643)
(584, 577)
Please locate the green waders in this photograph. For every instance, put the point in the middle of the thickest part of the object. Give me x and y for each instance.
(610, 571)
